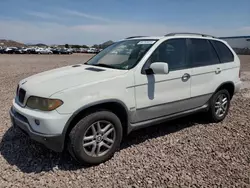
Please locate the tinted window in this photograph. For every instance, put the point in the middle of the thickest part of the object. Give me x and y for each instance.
(223, 51)
(202, 53)
(173, 52)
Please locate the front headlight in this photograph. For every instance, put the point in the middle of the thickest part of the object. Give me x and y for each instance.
(43, 104)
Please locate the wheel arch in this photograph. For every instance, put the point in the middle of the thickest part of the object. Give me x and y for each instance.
(229, 86)
(113, 105)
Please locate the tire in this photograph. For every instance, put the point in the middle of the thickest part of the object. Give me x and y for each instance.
(218, 117)
(84, 129)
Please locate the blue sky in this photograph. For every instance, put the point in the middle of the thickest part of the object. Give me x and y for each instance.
(96, 21)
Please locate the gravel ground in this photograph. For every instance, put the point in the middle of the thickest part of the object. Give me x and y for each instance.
(185, 152)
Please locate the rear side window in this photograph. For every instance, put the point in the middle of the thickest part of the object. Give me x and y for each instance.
(223, 51)
(201, 53)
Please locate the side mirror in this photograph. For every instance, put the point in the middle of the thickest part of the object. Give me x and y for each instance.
(158, 68)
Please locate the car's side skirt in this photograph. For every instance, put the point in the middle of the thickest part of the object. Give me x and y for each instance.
(165, 109)
(143, 124)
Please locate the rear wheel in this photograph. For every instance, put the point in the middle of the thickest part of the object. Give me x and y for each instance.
(95, 138)
(219, 105)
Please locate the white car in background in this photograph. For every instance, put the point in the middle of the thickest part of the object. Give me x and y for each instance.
(92, 50)
(88, 108)
(10, 49)
(43, 51)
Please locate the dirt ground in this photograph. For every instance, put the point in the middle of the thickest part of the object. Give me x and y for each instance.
(245, 62)
(189, 152)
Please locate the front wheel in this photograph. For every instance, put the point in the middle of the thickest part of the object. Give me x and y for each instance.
(95, 138)
(219, 105)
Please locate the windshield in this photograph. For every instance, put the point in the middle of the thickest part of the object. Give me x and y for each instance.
(122, 55)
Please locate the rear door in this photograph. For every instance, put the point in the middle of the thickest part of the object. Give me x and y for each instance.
(206, 70)
(230, 66)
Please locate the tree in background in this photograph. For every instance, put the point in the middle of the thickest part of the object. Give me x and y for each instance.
(75, 46)
(85, 46)
(103, 45)
(106, 44)
(79, 46)
(97, 46)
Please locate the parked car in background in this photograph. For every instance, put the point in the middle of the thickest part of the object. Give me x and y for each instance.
(10, 50)
(83, 50)
(30, 51)
(43, 51)
(70, 50)
(19, 51)
(92, 50)
(1, 50)
(62, 51)
(77, 50)
(55, 51)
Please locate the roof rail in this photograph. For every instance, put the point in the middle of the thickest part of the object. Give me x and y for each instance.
(200, 34)
(135, 37)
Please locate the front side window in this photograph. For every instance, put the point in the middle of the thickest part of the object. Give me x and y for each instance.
(122, 55)
(173, 52)
(223, 51)
(201, 53)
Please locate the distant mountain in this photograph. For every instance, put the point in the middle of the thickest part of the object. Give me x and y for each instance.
(11, 43)
(38, 45)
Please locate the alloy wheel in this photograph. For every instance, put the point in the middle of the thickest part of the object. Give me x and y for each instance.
(221, 105)
(99, 138)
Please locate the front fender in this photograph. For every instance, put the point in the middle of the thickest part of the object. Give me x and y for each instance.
(75, 116)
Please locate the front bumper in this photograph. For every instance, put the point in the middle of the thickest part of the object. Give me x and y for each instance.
(53, 142)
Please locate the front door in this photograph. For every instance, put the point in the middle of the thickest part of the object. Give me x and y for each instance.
(161, 95)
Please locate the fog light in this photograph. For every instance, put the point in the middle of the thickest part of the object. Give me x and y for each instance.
(37, 122)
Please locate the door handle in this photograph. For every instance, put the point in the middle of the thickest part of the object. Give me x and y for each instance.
(218, 71)
(185, 77)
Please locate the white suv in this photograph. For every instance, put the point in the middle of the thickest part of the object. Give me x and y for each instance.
(89, 107)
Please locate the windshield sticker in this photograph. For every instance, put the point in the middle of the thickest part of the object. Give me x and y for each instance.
(146, 42)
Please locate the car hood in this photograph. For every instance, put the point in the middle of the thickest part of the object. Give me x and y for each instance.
(50, 82)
